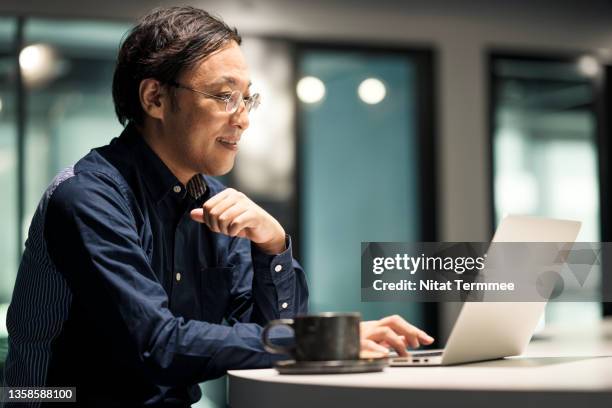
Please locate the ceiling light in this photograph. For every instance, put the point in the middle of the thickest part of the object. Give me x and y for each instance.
(37, 63)
(372, 91)
(310, 89)
(588, 65)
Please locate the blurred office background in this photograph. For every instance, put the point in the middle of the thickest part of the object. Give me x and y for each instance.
(381, 121)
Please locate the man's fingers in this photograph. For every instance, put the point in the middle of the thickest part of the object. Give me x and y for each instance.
(214, 207)
(212, 214)
(239, 223)
(226, 219)
(414, 336)
(372, 346)
(425, 338)
(197, 215)
(386, 334)
(246, 220)
(214, 200)
(403, 328)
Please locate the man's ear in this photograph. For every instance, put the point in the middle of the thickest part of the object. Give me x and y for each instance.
(153, 96)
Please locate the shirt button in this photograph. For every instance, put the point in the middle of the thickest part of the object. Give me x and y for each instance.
(177, 189)
(178, 277)
(278, 268)
(284, 305)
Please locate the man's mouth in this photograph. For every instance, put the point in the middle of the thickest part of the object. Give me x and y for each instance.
(228, 143)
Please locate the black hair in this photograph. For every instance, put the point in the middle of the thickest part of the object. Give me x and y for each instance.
(161, 46)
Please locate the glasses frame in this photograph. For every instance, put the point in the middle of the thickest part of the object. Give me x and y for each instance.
(250, 103)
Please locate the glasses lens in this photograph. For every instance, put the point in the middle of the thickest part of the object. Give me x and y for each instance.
(233, 102)
(254, 102)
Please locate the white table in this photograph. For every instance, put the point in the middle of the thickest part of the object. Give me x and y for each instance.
(565, 369)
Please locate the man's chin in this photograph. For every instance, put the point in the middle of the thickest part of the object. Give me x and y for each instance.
(217, 171)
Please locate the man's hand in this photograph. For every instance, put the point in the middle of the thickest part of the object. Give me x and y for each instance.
(392, 331)
(232, 213)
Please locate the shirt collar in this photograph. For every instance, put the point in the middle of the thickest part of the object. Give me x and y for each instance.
(197, 186)
(156, 175)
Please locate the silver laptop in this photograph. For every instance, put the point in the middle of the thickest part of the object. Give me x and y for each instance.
(492, 330)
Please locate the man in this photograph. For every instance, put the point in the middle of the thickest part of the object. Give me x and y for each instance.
(142, 274)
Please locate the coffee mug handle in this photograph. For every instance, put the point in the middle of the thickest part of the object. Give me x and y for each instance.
(272, 348)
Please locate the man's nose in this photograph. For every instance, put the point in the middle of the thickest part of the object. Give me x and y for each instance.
(240, 118)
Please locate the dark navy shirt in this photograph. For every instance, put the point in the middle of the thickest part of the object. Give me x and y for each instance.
(120, 294)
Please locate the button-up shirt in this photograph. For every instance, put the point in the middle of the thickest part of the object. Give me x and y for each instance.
(122, 295)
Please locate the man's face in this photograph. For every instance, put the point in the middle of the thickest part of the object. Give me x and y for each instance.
(204, 137)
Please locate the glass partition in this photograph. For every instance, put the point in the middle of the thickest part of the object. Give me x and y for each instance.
(8, 166)
(361, 168)
(545, 154)
(67, 69)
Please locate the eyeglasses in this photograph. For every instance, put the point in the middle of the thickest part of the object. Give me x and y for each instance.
(232, 100)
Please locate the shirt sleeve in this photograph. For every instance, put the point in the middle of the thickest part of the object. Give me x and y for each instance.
(266, 287)
(101, 256)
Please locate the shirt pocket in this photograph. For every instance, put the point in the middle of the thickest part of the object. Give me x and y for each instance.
(216, 292)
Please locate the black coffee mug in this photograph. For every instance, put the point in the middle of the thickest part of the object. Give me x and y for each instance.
(319, 337)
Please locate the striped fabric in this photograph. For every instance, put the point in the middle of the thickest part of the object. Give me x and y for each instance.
(35, 318)
(196, 186)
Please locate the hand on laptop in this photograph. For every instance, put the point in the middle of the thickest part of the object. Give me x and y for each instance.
(392, 331)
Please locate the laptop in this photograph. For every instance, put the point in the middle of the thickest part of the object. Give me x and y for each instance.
(492, 330)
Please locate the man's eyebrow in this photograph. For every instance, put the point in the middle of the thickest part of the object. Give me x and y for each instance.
(228, 80)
